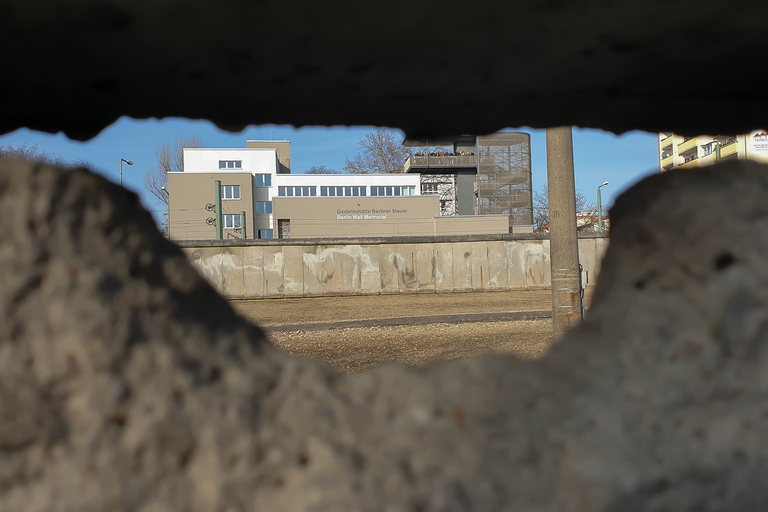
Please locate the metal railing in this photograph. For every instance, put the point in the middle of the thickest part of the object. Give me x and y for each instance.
(441, 161)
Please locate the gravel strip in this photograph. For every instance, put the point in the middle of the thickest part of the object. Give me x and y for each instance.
(354, 350)
(409, 320)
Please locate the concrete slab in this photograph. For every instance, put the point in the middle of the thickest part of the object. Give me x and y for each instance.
(370, 276)
(273, 271)
(538, 271)
(313, 269)
(443, 267)
(293, 271)
(498, 273)
(349, 256)
(253, 271)
(388, 266)
(516, 265)
(333, 269)
(462, 266)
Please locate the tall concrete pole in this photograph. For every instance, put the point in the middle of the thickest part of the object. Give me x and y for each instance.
(563, 242)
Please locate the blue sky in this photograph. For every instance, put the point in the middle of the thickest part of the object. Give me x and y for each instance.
(598, 155)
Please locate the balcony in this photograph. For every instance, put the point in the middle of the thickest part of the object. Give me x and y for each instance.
(687, 145)
(690, 164)
(666, 142)
(667, 162)
(730, 149)
(439, 162)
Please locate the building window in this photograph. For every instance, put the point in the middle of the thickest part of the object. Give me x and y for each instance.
(343, 191)
(297, 191)
(230, 164)
(265, 233)
(263, 180)
(429, 188)
(284, 228)
(230, 192)
(231, 221)
(393, 191)
(263, 206)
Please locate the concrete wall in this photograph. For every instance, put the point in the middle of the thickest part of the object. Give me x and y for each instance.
(301, 268)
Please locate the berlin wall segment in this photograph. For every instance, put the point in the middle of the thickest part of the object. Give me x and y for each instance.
(297, 268)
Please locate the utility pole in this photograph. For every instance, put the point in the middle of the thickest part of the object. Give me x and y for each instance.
(563, 240)
(219, 219)
(242, 223)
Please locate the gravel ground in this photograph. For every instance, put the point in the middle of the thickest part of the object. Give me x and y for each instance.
(357, 349)
(351, 350)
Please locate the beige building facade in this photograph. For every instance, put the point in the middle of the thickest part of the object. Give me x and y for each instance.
(192, 198)
(376, 217)
(258, 198)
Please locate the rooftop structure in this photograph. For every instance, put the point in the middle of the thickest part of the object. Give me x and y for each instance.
(484, 175)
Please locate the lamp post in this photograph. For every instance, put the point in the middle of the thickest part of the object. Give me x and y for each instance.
(121, 169)
(717, 150)
(600, 208)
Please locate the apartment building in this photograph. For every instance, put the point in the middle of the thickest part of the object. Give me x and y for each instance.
(691, 152)
(250, 193)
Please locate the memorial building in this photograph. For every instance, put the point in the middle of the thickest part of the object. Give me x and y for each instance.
(250, 193)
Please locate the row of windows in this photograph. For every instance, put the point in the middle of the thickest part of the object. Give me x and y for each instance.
(296, 191)
(230, 164)
(393, 191)
(265, 180)
(343, 191)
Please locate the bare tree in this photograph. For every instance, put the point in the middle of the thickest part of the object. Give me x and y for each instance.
(381, 152)
(33, 153)
(321, 169)
(541, 206)
(168, 159)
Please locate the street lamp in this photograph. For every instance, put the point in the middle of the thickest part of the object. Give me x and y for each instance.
(121, 169)
(717, 150)
(600, 208)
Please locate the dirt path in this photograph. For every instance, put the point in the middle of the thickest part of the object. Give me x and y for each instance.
(267, 312)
